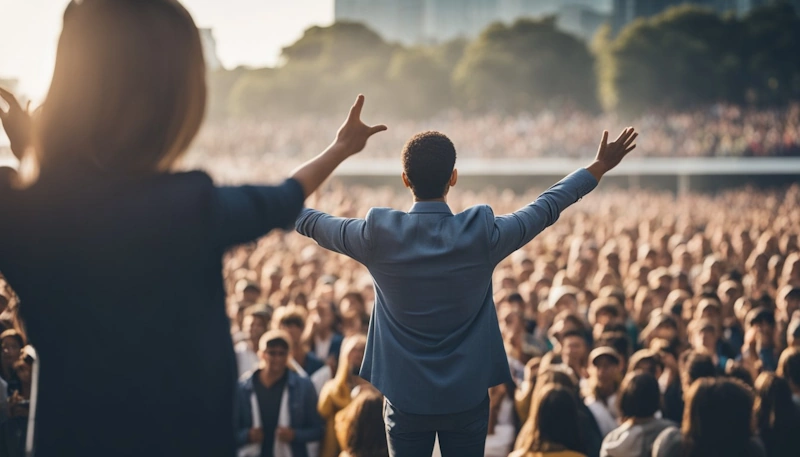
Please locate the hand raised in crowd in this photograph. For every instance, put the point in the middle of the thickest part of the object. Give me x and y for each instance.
(285, 434)
(16, 122)
(353, 134)
(609, 155)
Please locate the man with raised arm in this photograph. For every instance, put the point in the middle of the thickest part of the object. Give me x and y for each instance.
(434, 345)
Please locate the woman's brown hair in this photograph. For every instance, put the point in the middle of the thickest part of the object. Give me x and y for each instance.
(128, 92)
(360, 428)
(717, 420)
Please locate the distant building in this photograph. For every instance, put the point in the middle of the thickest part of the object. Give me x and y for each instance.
(413, 22)
(401, 21)
(210, 49)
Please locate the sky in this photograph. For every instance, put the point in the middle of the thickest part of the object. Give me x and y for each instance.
(248, 32)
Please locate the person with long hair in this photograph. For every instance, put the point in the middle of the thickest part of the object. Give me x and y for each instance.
(336, 394)
(777, 420)
(562, 375)
(98, 214)
(717, 422)
(359, 426)
(557, 432)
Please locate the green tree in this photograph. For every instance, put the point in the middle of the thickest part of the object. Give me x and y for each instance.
(772, 48)
(419, 82)
(525, 66)
(683, 57)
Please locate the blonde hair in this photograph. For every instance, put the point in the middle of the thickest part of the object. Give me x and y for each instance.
(128, 92)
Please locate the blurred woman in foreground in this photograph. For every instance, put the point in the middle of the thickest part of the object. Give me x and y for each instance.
(115, 258)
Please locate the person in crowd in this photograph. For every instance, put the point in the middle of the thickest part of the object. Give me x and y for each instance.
(759, 352)
(717, 423)
(603, 312)
(670, 380)
(562, 375)
(277, 408)
(359, 427)
(338, 392)
(14, 427)
(777, 419)
(793, 331)
(292, 320)
(321, 335)
(639, 402)
(557, 432)
(575, 351)
(12, 343)
(421, 318)
(705, 338)
(696, 365)
(255, 324)
(605, 374)
(98, 213)
(789, 369)
(787, 304)
(504, 424)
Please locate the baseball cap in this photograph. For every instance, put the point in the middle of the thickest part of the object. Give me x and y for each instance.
(604, 351)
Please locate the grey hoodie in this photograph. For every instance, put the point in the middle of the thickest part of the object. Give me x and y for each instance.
(633, 440)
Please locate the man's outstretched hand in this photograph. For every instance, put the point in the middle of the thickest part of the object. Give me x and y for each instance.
(609, 155)
(353, 134)
(17, 123)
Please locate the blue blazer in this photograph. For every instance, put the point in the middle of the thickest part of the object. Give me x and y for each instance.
(434, 344)
(304, 418)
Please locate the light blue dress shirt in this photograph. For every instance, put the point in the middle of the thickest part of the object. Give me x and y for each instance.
(434, 344)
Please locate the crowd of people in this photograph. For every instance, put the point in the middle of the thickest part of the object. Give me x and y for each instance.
(720, 131)
(638, 325)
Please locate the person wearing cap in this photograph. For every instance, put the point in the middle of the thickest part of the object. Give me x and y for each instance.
(605, 373)
(247, 292)
(277, 411)
(254, 325)
(759, 350)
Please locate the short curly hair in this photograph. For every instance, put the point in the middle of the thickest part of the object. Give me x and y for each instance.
(428, 162)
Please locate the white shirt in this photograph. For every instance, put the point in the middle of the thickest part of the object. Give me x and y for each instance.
(604, 413)
(322, 348)
(246, 358)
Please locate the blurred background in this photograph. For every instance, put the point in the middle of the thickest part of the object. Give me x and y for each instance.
(714, 81)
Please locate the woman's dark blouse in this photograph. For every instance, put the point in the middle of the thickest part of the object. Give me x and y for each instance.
(121, 293)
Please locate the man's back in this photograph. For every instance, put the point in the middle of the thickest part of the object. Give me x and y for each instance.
(434, 343)
(434, 309)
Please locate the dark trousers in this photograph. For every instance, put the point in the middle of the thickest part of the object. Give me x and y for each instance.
(413, 435)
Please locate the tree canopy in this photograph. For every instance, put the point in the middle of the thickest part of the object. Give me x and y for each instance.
(684, 57)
